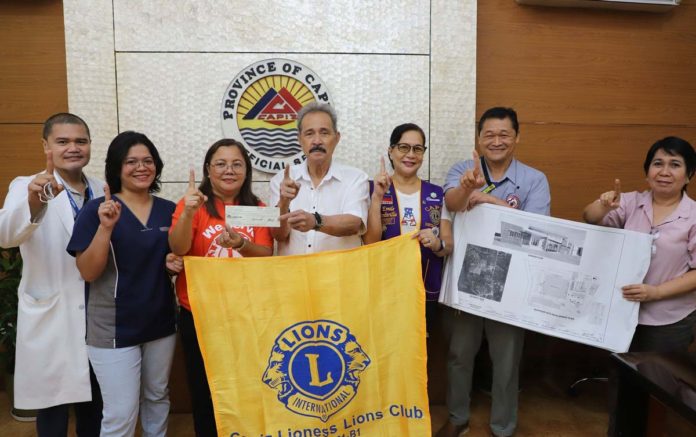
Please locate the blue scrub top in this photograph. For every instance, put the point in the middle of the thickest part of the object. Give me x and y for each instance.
(132, 302)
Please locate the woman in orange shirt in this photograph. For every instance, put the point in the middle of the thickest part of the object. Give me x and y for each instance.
(199, 229)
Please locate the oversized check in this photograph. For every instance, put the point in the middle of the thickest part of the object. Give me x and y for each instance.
(264, 216)
(554, 276)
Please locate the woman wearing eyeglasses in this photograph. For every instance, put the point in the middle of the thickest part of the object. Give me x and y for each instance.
(667, 295)
(403, 203)
(199, 229)
(120, 243)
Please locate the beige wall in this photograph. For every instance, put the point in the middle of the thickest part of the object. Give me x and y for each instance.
(593, 89)
(155, 69)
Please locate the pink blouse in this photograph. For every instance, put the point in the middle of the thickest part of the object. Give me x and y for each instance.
(674, 251)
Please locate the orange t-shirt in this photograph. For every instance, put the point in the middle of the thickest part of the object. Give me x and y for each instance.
(205, 232)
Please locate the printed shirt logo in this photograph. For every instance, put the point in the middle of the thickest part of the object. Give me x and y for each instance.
(513, 200)
(213, 232)
(409, 219)
(260, 108)
(315, 367)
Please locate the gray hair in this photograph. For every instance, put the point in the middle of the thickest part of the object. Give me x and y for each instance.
(317, 107)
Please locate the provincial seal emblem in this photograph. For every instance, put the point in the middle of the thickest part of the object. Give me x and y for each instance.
(315, 367)
(260, 108)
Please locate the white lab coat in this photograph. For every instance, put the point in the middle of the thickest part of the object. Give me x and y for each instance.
(51, 361)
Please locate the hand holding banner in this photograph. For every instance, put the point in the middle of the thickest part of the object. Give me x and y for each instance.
(320, 344)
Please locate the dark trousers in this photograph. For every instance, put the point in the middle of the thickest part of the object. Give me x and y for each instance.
(53, 421)
(675, 337)
(202, 403)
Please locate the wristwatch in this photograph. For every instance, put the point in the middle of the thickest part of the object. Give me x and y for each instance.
(318, 222)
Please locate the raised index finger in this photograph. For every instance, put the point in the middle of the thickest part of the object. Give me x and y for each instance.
(287, 172)
(49, 162)
(617, 187)
(107, 193)
(192, 178)
(477, 162)
(382, 167)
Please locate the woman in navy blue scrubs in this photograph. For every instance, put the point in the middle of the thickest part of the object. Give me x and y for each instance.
(120, 241)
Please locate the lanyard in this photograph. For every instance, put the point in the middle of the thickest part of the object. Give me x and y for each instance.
(73, 204)
(88, 194)
(490, 186)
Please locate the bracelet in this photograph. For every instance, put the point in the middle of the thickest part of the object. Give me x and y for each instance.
(241, 246)
(442, 246)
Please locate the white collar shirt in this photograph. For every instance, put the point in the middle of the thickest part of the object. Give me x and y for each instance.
(343, 190)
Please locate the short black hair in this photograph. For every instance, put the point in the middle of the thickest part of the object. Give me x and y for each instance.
(673, 146)
(62, 118)
(117, 153)
(500, 113)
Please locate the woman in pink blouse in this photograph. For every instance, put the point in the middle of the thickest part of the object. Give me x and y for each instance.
(667, 295)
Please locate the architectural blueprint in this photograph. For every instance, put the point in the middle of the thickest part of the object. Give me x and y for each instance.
(549, 275)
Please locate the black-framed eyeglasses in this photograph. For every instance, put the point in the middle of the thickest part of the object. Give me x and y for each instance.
(406, 148)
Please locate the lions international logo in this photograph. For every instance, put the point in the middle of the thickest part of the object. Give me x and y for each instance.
(513, 200)
(434, 213)
(260, 107)
(315, 367)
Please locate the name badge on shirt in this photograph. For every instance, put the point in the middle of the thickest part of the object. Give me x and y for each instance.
(262, 216)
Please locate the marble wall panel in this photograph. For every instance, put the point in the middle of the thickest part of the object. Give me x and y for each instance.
(175, 98)
(89, 44)
(315, 26)
(453, 80)
(162, 68)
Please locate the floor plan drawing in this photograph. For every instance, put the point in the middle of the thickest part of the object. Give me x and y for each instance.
(545, 274)
(568, 295)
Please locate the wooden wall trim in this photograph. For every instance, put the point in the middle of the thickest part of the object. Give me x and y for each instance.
(593, 89)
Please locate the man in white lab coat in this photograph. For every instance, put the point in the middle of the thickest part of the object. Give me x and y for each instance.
(52, 370)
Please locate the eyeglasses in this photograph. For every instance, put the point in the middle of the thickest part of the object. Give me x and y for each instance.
(406, 148)
(220, 167)
(135, 163)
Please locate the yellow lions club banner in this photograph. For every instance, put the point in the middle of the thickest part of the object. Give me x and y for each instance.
(320, 345)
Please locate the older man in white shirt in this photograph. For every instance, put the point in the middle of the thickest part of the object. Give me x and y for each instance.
(323, 204)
